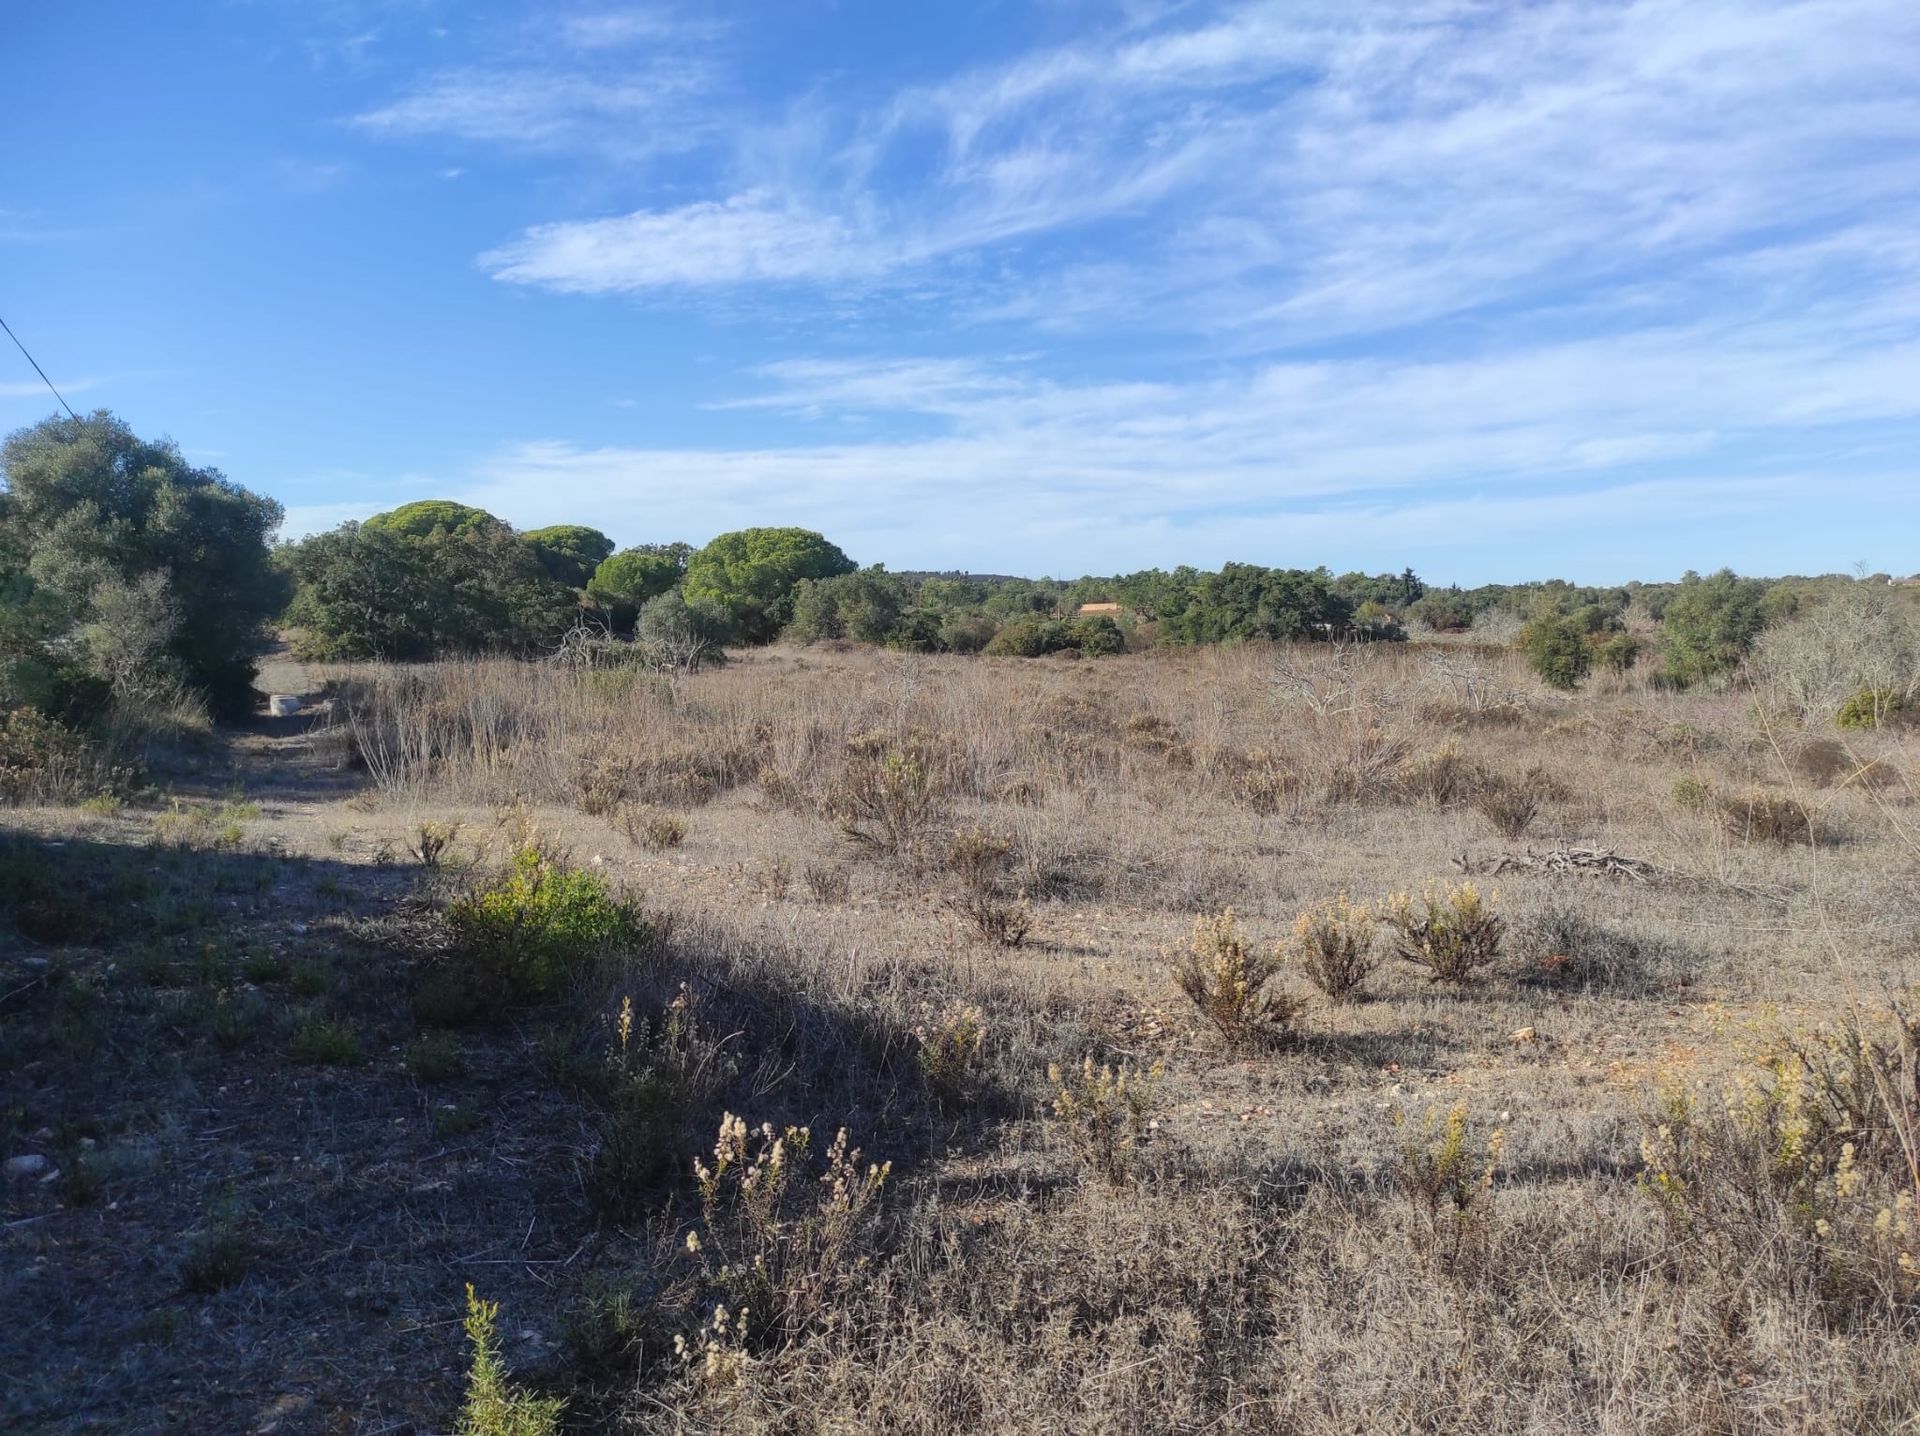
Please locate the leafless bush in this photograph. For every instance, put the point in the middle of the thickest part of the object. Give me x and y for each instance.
(1444, 778)
(1509, 806)
(1360, 764)
(648, 828)
(1859, 638)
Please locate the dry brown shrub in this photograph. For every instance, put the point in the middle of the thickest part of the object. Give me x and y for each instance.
(1510, 807)
(1226, 980)
(1822, 761)
(655, 831)
(894, 790)
(1259, 778)
(977, 862)
(828, 882)
(1359, 763)
(1767, 817)
(1149, 733)
(1335, 946)
(1453, 931)
(1444, 778)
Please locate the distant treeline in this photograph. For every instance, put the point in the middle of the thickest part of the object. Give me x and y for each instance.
(436, 578)
(138, 589)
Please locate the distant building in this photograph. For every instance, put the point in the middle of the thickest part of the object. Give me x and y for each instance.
(1913, 582)
(1089, 608)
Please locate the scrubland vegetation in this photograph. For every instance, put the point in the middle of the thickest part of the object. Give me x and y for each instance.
(1484, 1032)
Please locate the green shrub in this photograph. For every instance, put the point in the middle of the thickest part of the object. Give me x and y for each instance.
(1692, 792)
(1870, 707)
(1557, 649)
(43, 760)
(1710, 624)
(1615, 652)
(494, 1406)
(434, 1058)
(540, 922)
(327, 1041)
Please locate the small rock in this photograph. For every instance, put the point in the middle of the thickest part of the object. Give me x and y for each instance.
(298, 929)
(28, 1164)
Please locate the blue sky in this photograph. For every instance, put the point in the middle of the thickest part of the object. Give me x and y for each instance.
(1500, 290)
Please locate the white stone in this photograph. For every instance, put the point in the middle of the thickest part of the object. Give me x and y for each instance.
(283, 705)
(30, 1164)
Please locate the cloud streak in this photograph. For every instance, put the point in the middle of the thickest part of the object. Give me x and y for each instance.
(1256, 273)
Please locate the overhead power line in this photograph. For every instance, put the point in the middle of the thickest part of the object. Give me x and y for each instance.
(41, 372)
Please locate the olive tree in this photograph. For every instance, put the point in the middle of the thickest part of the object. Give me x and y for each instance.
(120, 559)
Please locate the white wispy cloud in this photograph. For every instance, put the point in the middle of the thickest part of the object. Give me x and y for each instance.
(538, 107)
(1434, 269)
(1319, 169)
(35, 389)
(748, 238)
(1254, 463)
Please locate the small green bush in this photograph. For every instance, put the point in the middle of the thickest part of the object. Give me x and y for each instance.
(541, 921)
(1692, 793)
(1558, 650)
(327, 1041)
(1870, 707)
(494, 1406)
(434, 1057)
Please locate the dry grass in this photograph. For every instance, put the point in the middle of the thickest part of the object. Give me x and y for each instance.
(1444, 1207)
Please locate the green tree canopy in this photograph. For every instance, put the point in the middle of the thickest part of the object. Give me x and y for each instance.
(623, 582)
(422, 517)
(753, 572)
(1246, 601)
(120, 559)
(382, 591)
(570, 553)
(1709, 624)
(866, 606)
